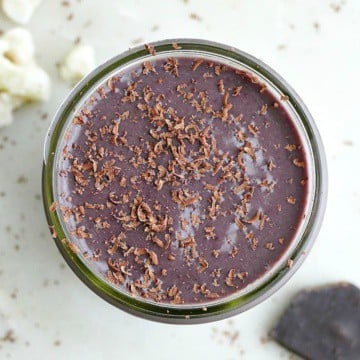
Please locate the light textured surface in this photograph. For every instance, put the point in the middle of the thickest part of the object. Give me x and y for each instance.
(315, 45)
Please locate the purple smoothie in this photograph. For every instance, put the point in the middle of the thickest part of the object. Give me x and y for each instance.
(182, 180)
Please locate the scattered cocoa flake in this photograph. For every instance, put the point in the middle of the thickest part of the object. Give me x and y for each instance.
(9, 337)
(215, 253)
(316, 25)
(74, 248)
(77, 40)
(299, 163)
(195, 219)
(150, 49)
(253, 129)
(335, 7)
(53, 206)
(212, 295)
(234, 251)
(173, 291)
(153, 257)
(218, 69)
(281, 47)
(184, 198)
(81, 233)
(155, 28)
(53, 231)
(284, 98)
(270, 246)
(22, 179)
(242, 275)
(221, 86)
(176, 46)
(249, 150)
(123, 181)
(290, 263)
(57, 343)
(157, 241)
(236, 91)
(254, 218)
(263, 109)
(253, 243)
(271, 165)
(239, 223)
(291, 200)
(172, 66)
(78, 120)
(203, 264)
(196, 17)
(111, 85)
(229, 281)
(148, 67)
(196, 64)
(44, 116)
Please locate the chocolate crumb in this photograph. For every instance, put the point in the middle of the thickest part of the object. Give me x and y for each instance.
(53, 206)
(22, 179)
(8, 337)
(176, 46)
(196, 17)
(299, 163)
(291, 200)
(150, 49)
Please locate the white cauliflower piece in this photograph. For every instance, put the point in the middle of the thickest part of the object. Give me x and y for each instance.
(7, 105)
(20, 11)
(6, 109)
(21, 79)
(20, 46)
(29, 82)
(79, 62)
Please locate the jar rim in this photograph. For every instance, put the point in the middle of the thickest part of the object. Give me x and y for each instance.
(227, 306)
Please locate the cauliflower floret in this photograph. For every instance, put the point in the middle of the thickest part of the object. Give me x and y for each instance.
(28, 81)
(21, 79)
(79, 62)
(20, 46)
(7, 105)
(20, 10)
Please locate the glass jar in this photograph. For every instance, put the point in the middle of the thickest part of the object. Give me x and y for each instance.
(255, 292)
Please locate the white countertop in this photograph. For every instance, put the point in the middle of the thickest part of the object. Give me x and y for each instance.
(315, 45)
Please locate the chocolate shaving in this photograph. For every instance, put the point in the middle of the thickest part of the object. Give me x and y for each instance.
(150, 49)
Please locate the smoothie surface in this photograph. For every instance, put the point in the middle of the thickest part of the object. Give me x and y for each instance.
(182, 180)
